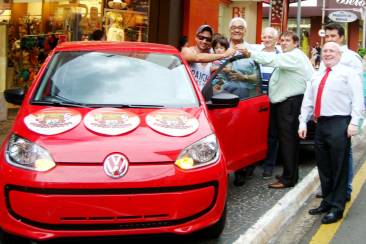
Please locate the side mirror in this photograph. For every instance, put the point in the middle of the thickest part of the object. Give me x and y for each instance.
(14, 95)
(223, 100)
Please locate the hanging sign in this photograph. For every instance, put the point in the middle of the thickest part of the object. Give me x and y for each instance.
(276, 13)
(172, 122)
(321, 33)
(111, 121)
(342, 16)
(52, 121)
(357, 3)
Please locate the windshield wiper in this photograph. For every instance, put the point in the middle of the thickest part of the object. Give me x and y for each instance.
(61, 103)
(56, 102)
(136, 106)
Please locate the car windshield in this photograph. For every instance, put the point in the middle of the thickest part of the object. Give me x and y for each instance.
(118, 79)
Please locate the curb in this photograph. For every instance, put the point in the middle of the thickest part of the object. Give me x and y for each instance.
(271, 223)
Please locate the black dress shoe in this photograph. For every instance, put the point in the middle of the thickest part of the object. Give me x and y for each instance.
(319, 210)
(332, 217)
(348, 198)
(319, 195)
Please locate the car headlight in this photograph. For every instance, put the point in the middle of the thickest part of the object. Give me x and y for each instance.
(28, 155)
(200, 153)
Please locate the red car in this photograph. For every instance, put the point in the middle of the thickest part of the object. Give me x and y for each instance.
(117, 139)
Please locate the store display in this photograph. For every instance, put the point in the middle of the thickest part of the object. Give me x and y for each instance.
(114, 22)
(29, 53)
(134, 17)
(38, 26)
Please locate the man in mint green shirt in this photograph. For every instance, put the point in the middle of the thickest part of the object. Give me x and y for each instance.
(286, 90)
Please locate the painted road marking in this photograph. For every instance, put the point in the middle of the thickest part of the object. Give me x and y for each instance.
(326, 233)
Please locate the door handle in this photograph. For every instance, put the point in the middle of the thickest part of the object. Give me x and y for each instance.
(263, 109)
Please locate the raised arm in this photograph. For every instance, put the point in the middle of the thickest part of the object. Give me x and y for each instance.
(193, 57)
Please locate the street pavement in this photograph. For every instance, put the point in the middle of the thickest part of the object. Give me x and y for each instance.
(306, 228)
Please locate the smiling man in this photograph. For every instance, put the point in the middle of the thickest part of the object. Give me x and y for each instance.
(286, 89)
(334, 32)
(335, 98)
(200, 57)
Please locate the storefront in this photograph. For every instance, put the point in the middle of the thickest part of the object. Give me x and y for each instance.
(34, 27)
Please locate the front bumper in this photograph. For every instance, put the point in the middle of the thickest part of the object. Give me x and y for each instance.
(80, 200)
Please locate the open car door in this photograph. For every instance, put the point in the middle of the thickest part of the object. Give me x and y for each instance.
(241, 130)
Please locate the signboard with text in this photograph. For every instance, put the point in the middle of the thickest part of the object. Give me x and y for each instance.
(342, 16)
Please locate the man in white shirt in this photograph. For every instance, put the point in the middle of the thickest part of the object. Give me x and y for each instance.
(335, 98)
(334, 32)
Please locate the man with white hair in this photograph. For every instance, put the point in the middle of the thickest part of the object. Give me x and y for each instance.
(269, 40)
(334, 32)
(335, 98)
(286, 90)
(238, 29)
(241, 77)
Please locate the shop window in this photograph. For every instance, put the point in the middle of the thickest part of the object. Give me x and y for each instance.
(77, 19)
(127, 20)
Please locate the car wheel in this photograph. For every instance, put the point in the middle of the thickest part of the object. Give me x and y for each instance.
(6, 238)
(215, 230)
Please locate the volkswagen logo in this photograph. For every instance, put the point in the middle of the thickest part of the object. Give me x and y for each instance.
(115, 165)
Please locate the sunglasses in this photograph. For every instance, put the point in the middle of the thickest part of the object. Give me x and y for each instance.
(201, 38)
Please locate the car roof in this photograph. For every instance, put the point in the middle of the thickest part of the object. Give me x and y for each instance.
(115, 46)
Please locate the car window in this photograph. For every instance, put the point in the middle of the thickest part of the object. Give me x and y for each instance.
(113, 79)
(239, 76)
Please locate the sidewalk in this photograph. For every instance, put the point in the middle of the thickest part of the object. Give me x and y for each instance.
(279, 219)
(351, 228)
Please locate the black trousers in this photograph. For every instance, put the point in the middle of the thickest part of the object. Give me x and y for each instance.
(287, 113)
(332, 147)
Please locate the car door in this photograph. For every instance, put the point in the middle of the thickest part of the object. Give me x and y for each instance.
(241, 130)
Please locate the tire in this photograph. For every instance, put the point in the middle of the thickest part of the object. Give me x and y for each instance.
(6, 238)
(214, 231)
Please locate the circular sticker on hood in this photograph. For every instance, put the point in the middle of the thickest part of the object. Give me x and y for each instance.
(111, 121)
(172, 122)
(52, 121)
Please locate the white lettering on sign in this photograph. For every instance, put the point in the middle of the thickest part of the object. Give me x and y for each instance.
(357, 3)
(342, 16)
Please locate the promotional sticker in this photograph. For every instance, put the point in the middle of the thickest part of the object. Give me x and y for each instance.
(52, 121)
(172, 122)
(111, 121)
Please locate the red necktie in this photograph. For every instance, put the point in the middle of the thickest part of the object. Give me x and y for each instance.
(320, 92)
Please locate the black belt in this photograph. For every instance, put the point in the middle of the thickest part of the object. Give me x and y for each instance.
(325, 118)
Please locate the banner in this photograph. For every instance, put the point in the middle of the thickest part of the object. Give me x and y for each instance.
(276, 14)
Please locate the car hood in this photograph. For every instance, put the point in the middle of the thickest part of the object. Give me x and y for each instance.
(141, 145)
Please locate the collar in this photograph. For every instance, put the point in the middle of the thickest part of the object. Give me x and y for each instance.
(335, 67)
(344, 48)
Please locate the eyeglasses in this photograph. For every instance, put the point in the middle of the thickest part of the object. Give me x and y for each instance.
(201, 38)
(241, 28)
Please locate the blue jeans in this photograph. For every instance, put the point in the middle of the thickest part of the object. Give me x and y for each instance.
(350, 172)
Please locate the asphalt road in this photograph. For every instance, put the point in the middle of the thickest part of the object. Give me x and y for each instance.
(246, 204)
